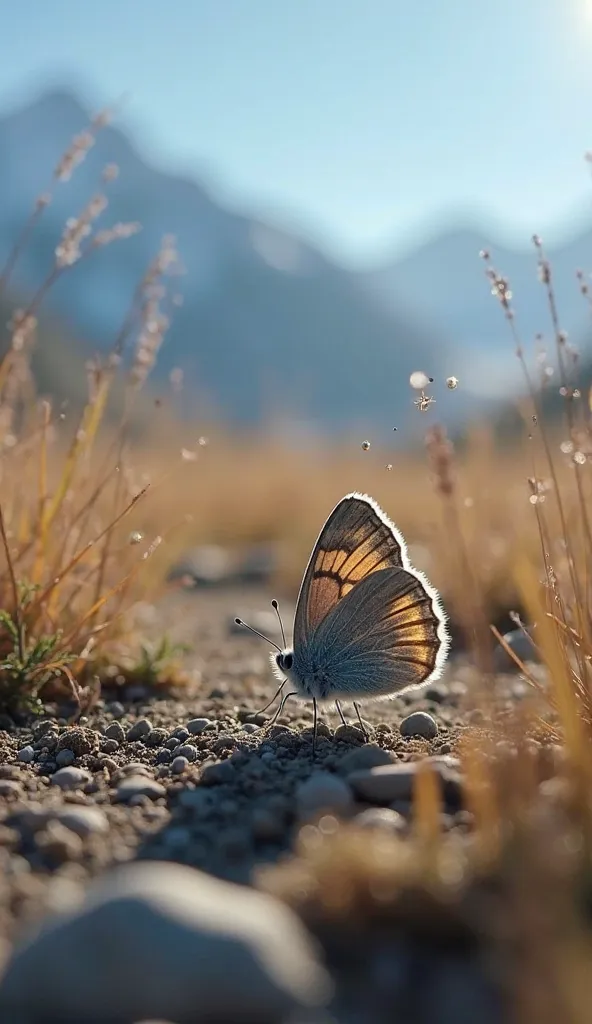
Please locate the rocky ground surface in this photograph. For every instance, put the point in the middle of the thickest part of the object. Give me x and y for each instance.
(198, 780)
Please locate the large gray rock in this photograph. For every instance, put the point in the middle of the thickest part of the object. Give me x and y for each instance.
(163, 941)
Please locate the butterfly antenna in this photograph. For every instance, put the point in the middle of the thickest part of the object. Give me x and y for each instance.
(276, 608)
(240, 622)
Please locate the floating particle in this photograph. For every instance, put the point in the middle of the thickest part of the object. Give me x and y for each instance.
(365, 446)
(423, 402)
(420, 380)
(389, 466)
(202, 441)
(187, 455)
(579, 458)
(395, 428)
(452, 383)
(135, 537)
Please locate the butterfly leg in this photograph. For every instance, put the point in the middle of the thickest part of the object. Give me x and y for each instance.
(362, 726)
(280, 709)
(340, 712)
(275, 696)
(314, 726)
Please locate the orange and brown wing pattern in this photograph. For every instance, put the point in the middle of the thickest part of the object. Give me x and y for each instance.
(356, 540)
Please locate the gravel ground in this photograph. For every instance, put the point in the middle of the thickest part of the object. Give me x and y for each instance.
(198, 779)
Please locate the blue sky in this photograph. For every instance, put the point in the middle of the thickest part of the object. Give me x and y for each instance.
(364, 123)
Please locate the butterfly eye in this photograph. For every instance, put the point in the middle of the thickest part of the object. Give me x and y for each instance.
(287, 660)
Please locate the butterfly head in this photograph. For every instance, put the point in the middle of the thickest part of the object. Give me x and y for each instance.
(285, 660)
(283, 667)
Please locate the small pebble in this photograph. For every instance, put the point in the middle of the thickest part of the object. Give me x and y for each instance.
(84, 821)
(59, 843)
(115, 732)
(250, 727)
(109, 746)
(70, 777)
(141, 728)
(360, 758)
(26, 755)
(323, 791)
(156, 737)
(197, 725)
(116, 709)
(181, 734)
(521, 644)
(419, 724)
(10, 787)
(216, 774)
(65, 757)
(381, 818)
(138, 785)
(136, 692)
(188, 751)
(179, 765)
(135, 768)
(349, 734)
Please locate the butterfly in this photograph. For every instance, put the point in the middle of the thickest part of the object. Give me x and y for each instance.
(367, 623)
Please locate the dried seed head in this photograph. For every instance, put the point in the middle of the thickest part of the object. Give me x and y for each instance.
(365, 446)
(68, 251)
(110, 172)
(74, 155)
(117, 232)
(452, 383)
(423, 402)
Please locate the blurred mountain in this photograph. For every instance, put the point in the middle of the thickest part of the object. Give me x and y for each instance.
(268, 325)
(442, 285)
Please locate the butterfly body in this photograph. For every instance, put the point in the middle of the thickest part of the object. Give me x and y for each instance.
(367, 624)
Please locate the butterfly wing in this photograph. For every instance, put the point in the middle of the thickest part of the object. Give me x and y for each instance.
(386, 635)
(357, 540)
